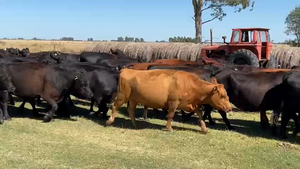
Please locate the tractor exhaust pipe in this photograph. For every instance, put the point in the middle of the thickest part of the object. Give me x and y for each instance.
(211, 37)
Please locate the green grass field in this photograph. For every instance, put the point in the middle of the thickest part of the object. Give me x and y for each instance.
(84, 142)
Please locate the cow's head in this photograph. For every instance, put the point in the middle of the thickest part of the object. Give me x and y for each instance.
(219, 97)
(81, 84)
(5, 81)
(25, 52)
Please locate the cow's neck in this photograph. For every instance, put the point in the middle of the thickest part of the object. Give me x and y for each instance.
(204, 92)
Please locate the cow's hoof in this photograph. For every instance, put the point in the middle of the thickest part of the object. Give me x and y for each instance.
(274, 130)
(146, 119)
(92, 113)
(204, 132)
(109, 122)
(230, 128)
(1, 121)
(105, 117)
(7, 118)
(265, 125)
(47, 119)
(212, 123)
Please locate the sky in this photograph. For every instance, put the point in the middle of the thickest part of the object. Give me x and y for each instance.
(149, 19)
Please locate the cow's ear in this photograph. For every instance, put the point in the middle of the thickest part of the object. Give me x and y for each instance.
(214, 80)
(215, 89)
(76, 77)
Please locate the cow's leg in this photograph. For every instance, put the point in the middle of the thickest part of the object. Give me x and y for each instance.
(22, 106)
(35, 112)
(38, 101)
(4, 101)
(115, 108)
(102, 107)
(11, 100)
(201, 122)
(92, 107)
(1, 117)
(296, 121)
(53, 109)
(264, 121)
(274, 120)
(225, 119)
(71, 103)
(207, 114)
(284, 121)
(172, 108)
(145, 115)
(131, 111)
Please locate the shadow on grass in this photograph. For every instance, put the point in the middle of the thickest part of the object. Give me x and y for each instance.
(245, 127)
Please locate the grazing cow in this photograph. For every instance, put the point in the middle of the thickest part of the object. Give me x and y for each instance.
(50, 82)
(168, 89)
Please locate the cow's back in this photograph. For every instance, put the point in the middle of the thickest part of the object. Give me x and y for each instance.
(253, 91)
(150, 88)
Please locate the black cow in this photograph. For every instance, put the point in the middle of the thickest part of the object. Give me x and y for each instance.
(103, 82)
(290, 89)
(45, 57)
(93, 57)
(50, 82)
(113, 64)
(6, 87)
(66, 58)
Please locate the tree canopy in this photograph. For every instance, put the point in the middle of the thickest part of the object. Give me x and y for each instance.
(292, 22)
(217, 12)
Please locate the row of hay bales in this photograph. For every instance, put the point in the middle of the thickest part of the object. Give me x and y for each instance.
(286, 56)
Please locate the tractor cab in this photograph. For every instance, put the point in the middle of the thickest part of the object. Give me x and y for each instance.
(255, 39)
(251, 46)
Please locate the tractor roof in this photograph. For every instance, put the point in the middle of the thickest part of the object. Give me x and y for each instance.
(265, 29)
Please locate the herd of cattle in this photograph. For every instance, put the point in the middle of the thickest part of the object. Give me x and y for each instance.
(168, 84)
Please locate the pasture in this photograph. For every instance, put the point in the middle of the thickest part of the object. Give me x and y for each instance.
(84, 142)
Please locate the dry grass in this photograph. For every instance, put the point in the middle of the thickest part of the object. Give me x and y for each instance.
(287, 56)
(151, 51)
(85, 143)
(186, 51)
(38, 46)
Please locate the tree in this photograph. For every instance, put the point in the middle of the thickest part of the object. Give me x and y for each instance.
(216, 6)
(90, 39)
(120, 39)
(142, 40)
(136, 40)
(293, 24)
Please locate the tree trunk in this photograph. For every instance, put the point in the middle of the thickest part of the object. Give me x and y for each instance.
(198, 19)
(198, 25)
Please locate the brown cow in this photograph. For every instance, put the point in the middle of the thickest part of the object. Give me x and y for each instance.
(177, 62)
(168, 89)
(146, 66)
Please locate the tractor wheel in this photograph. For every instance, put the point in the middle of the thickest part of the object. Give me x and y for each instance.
(244, 57)
(272, 63)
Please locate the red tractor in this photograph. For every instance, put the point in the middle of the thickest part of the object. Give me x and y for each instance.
(251, 46)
